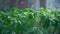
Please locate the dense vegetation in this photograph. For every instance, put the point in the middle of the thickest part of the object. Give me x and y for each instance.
(27, 21)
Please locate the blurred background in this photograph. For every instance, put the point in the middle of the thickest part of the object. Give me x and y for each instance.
(33, 4)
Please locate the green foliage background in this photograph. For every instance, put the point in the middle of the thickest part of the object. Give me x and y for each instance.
(27, 21)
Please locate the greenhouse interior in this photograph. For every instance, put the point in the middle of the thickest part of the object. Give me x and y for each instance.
(29, 16)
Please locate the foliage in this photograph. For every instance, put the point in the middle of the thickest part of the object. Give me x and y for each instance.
(27, 21)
